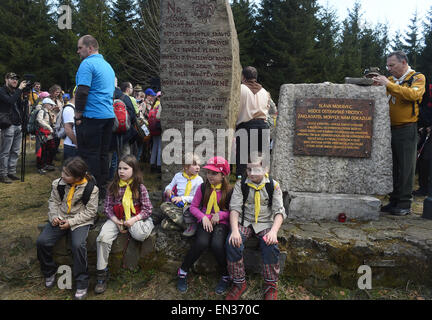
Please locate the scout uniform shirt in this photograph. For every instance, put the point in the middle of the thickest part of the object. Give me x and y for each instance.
(266, 215)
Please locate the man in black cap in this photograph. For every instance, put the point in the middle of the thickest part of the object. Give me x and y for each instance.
(11, 105)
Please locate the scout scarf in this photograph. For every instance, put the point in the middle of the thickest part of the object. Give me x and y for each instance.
(212, 203)
(189, 183)
(72, 191)
(127, 200)
(257, 199)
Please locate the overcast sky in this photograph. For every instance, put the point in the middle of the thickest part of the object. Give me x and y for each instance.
(395, 13)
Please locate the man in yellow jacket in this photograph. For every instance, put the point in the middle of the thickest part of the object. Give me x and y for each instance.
(405, 89)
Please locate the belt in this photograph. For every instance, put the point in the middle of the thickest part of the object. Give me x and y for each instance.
(403, 125)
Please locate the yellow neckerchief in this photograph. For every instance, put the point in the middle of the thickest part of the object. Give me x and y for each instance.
(72, 191)
(212, 203)
(127, 200)
(189, 183)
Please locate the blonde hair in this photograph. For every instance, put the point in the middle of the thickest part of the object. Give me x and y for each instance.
(191, 159)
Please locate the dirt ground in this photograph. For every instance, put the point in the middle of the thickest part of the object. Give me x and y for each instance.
(23, 205)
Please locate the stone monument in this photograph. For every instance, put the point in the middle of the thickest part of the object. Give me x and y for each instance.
(200, 79)
(333, 150)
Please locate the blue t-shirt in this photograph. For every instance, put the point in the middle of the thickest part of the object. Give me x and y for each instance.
(97, 74)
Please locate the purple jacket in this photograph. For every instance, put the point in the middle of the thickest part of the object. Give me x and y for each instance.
(199, 214)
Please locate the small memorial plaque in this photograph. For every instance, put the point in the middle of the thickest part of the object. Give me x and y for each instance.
(333, 127)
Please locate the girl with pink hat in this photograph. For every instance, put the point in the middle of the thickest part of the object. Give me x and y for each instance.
(211, 208)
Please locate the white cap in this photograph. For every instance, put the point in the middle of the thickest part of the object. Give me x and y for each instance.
(48, 101)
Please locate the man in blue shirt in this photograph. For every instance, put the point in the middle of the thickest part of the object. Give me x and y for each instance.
(94, 114)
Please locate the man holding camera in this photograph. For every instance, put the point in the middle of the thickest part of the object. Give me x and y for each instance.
(12, 107)
(405, 89)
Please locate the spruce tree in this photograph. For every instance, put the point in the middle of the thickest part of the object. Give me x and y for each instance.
(397, 42)
(425, 58)
(244, 17)
(373, 44)
(326, 66)
(286, 35)
(350, 50)
(412, 41)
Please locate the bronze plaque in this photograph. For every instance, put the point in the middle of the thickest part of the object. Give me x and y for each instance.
(333, 127)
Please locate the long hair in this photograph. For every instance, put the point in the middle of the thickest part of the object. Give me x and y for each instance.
(137, 180)
(226, 188)
(77, 168)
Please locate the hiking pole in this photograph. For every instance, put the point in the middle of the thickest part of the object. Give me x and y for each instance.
(422, 147)
(24, 139)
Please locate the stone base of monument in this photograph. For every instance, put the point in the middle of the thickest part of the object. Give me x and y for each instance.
(164, 250)
(323, 206)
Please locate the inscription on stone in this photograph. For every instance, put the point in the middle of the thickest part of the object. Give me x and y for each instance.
(333, 127)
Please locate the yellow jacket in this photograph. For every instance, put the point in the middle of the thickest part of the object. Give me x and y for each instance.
(401, 98)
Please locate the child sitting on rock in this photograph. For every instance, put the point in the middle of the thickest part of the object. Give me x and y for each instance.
(210, 206)
(179, 194)
(256, 210)
(128, 209)
(72, 209)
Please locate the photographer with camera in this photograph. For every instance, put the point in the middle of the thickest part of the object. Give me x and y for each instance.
(12, 108)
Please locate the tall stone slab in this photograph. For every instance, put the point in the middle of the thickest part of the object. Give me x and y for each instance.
(306, 177)
(200, 77)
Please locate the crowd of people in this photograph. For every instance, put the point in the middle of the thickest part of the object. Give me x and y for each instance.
(107, 129)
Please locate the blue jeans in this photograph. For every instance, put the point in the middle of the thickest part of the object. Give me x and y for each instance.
(10, 148)
(156, 151)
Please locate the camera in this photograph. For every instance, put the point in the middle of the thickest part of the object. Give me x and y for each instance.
(29, 79)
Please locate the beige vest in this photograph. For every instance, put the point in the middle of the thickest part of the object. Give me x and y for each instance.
(253, 106)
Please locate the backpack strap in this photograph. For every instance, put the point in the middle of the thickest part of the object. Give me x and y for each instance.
(270, 186)
(410, 81)
(88, 191)
(86, 194)
(202, 194)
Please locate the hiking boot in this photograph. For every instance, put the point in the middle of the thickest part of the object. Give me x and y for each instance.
(419, 193)
(236, 291)
(81, 294)
(388, 207)
(102, 279)
(41, 171)
(270, 291)
(50, 281)
(400, 211)
(49, 168)
(190, 230)
(182, 284)
(5, 179)
(12, 176)
(222, 286)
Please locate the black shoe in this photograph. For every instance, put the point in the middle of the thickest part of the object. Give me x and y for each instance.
(5, 179)
(400, 211)
(102, 279)
(388, 207)
(419, 193)
(12, 176)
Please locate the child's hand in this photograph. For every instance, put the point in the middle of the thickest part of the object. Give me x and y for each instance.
(55, 222)
(235, 239)
(64, 225)
(129, 223)
(270, 238)
(215, 219)
(168, 193)
(176, 200)
(207, 225)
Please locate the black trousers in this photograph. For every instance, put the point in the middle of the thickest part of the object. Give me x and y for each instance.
(203, 240)
(254, 142)
(94, 138)
(45, 244)
(424, 167)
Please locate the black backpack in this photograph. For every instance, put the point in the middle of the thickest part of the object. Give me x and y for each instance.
(86, 194)
(425, 116)
(269, 186)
